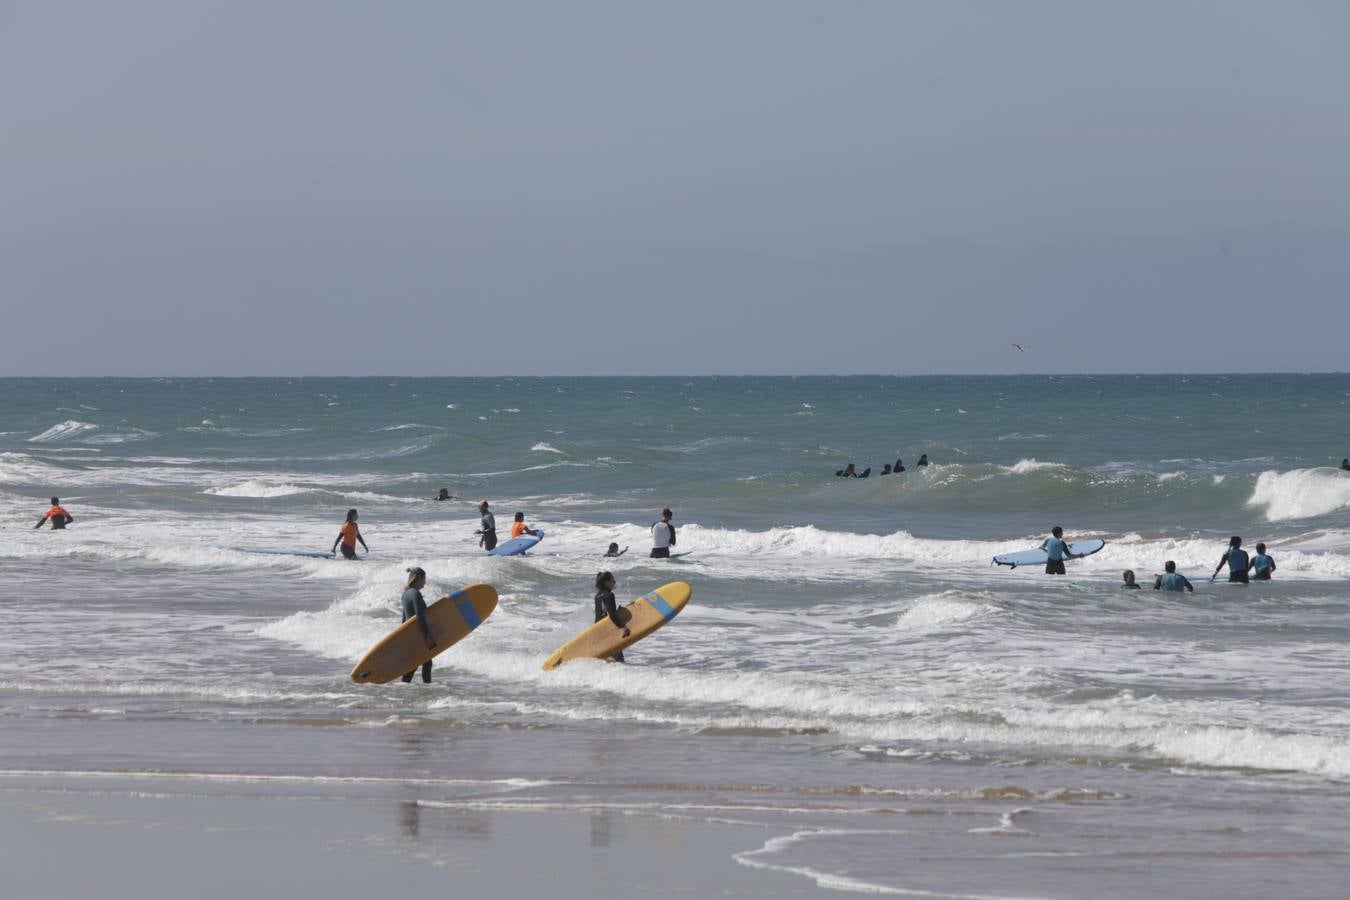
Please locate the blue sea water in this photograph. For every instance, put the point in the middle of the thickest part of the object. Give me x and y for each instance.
(852, 673)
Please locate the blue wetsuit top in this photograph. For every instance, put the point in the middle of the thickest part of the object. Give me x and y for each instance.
(1173, 581)
(1263, 564)
(1056, 548)
(1237, 560)
(414, 605)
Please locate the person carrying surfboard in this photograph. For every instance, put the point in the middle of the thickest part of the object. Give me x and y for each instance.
(348, 536)
(415, 606)
(518, 527)
(663, 535)
(605, 606)
(57, 515)
(487, 527)
(1058, 551)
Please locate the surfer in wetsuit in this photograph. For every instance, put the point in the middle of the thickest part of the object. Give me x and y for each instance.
(444, 495)
(1262, 564)
(415, 606)
(348, 536)
(57, 515)
(1345, 464)
(1236, 560)
(847, 472)
(487, 527)
(923, 461)
(518, 527)
(1056, 548)
(886, 469)
(898, 467)
(1172, 580)
(606, 607)
(663, 534)
(614, 550)
(1130, 583)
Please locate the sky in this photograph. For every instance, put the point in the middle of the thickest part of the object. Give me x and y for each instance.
(337, 187)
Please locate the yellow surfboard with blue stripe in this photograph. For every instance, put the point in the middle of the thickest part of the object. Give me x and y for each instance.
(450, 619)
(641, 617)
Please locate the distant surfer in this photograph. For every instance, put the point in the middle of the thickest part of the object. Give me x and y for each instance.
(1172, 580)
(663, 534)
(885, 470)
(605, 606)
(57, 515)
(923, 461)
(445, 495)
(415, 606)
(348, 537)
(1235, 558)
(518, 527)
(847, 472)
(1055, 548)
(614, 550)
(1345, 464)
(487, 527)
(1262, 564)
(898, 467)
(1130, 583)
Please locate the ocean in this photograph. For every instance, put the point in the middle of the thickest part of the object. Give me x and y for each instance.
(852, 679)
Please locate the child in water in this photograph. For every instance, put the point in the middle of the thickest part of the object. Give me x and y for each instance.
(1262, 564)
(415, 606)
(614, 549)
(605, 606)
(348, 536)
(518, 527)
(1129, 580)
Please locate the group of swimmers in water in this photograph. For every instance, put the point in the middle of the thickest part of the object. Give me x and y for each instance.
(1241, 566)
(849, 472)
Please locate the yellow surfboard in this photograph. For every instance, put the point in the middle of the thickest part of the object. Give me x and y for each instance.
(404, 649)
(643, 616)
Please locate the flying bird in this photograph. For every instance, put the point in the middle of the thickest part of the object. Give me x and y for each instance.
(1020, 347)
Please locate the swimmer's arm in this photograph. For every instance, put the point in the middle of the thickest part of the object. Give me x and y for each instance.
(1190, 587)
(1157, 583)
(362, 540)
(41, 520)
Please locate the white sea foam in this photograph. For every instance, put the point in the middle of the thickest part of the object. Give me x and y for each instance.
(1301, 493)
(1023, 466)
(63, 431)
(542, 447)
(255, 487)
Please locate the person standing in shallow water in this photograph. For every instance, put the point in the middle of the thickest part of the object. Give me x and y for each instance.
(348, 536)
(57, 515)
(415, 607)
(487, 527)
(663, 535)
(1057, 550)
(1345, 464)
(1262, 564)
(606, 607)
(1172, 580)
(1235, 558)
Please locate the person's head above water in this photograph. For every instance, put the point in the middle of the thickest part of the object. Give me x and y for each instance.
(444, 494)
(351, 515)
(1128, 575)
(1170, 566)
(417, 577)
(1235, 541)
(1057, 531)
(483, 505)
(520, 517)
(56, 501)
(666, 514)
(613, 546)
(1260, 547)
(886, 469)
(604, 581)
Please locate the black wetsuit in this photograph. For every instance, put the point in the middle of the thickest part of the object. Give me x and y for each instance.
(414, 605)
(489, 526)
(606, 607)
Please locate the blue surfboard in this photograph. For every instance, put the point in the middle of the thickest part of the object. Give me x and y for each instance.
(515, 546)
(316, 554)
(1038, 557)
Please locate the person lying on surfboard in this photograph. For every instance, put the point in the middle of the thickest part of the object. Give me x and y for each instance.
(605, 606)
(414, 605)
(57, 515)
(348, 535)
(1058, 551)
(518, 527)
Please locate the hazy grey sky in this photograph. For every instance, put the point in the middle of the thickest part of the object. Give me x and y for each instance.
(350, 187)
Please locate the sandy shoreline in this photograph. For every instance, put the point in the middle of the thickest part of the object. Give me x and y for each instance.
(109, 837)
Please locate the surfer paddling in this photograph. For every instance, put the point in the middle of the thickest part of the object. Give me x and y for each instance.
(348, 537)
(57, 515)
